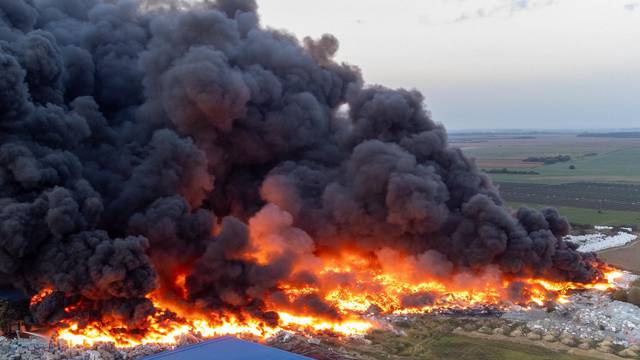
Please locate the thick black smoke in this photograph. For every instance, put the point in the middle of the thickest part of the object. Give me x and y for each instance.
(132, 131)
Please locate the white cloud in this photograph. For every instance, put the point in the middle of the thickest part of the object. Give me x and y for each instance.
(632, 6)
(501, 8)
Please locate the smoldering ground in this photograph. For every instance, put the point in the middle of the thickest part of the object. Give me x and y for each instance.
(143, 138)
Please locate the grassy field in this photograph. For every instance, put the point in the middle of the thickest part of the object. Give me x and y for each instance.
(454, 347)
(590, 216)
(433, 338)
(595, 159)
(616, 166)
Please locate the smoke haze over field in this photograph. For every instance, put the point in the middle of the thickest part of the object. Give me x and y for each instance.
(142, 139)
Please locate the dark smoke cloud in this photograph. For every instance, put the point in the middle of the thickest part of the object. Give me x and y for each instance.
(127, 128)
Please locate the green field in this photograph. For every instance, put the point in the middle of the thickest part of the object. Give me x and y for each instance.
(433, 338)
(592, 217)
(620, 166)
(607, 160)
(594, 161)
(441, 337)
(455, 347)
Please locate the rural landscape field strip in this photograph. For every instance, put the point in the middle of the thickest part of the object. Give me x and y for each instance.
(593, 159)
(584, 216)
(596, 196)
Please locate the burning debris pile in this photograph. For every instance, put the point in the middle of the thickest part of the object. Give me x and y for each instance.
(170, 167)
(588, 316)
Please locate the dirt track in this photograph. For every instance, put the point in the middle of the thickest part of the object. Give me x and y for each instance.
(625, 257)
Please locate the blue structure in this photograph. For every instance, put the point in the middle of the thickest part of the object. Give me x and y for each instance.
(226, 348)
(12, 295)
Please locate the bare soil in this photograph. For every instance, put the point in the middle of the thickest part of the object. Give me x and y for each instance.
(624, 257)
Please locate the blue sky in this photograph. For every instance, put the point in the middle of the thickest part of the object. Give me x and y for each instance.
(489, 63)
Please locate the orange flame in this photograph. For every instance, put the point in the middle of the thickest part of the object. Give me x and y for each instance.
(351, 284)
(37, 298)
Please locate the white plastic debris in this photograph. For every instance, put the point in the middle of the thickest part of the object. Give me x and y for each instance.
(599, 241)
(603, 227)
(589, 316)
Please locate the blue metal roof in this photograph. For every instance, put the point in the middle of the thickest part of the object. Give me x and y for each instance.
(226, 348)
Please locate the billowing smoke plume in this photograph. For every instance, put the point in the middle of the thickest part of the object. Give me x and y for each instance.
(144, 139)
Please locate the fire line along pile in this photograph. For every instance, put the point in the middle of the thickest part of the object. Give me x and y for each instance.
(173, 168)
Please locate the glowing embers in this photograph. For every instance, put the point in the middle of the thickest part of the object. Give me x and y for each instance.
(37, 298)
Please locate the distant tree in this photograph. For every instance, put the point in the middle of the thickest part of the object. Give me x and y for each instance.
(548, 160)
(508, 171)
